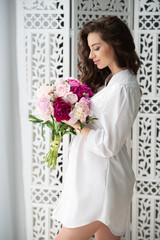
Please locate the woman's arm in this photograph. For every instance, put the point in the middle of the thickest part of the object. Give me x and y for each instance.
(118, 113)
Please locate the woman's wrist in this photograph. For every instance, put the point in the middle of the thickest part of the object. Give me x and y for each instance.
(84, 131)
(77, 127)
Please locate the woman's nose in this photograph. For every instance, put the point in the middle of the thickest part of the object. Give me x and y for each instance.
(91, 55)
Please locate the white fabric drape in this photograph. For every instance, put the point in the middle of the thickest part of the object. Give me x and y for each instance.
(12, 216)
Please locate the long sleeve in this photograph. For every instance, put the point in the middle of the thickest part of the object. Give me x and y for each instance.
(120, 108)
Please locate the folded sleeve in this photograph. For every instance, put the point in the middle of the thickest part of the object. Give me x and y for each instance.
(116, 119)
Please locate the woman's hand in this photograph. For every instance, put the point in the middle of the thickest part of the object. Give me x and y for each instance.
(75, 125)
(84, 131)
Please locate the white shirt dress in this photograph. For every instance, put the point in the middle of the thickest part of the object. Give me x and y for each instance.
(99, 178)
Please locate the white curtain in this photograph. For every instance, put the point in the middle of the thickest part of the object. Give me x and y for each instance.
(12, 214)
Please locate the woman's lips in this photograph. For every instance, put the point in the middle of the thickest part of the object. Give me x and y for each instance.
(95, 62)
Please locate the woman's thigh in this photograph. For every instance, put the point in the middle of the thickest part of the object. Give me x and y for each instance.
(80, 233)
(104, 233)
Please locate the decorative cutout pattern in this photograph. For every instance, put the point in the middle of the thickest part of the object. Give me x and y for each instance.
(83, 17)
(149, 22)
(158, 65)
(144, 219)
(45, 196)
(38, 223)
(149, 6)
(44, 21)
(144, 159)
(103, 5)
(148, 188)
(44, 50)
(38, 156)
(38, 61)
(150, 106)
(147, 161)
(157, 157)
(146, 57)
(43, 5)
(56, 56)
(54, 226)
(157, 220)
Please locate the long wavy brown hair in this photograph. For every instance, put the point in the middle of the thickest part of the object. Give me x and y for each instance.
(114, 32)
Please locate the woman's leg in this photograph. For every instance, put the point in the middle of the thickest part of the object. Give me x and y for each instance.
(104, 233)
(80, 233)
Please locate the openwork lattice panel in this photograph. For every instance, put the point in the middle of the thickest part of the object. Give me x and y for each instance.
(92, 9)
(149, 6)
(38, 60)
(44, 20)
(148, 14)
(46, 29)
(84, 17)
(157, 153)
(157, 220)
(146, 151)
(38, 223)
(55, 226)
(148, 188)
(149, 22)
(43, 5)
(148, 215)
(158, 65)
(145, 147)
(56, 53)
(146, 57)
(144, 219)
(45, 195)
(38, 156)
(44, 59)
(103, 5)
(151, 106)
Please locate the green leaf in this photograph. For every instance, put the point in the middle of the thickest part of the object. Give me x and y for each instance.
(49, 124)
(34, 119)
(42, 127)
(81, 125)
(53, 135)
(73, 133)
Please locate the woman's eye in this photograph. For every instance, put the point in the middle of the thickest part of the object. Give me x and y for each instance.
(96, 49)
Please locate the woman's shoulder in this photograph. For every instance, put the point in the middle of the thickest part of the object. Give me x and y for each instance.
(125, 79)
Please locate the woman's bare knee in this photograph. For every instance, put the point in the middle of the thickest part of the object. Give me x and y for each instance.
(80, 233)
(104, 233)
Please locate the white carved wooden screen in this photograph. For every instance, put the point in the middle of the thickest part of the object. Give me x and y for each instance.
(146, 133)
(48, 30)
(47, 54)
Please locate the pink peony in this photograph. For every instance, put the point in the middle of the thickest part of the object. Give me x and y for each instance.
(87, 100)
(71, 97)
(59, 81)
(78, 91)
(81, 90)
(44, 108)
(62, 89)
(61, 110)
(87, 90)
(73, 82)
(45, 91)
(80, 112)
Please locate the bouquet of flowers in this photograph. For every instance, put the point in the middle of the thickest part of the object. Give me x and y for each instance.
(65, 100)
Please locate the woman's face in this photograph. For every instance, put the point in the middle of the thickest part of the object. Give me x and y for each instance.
(100, 52)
